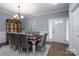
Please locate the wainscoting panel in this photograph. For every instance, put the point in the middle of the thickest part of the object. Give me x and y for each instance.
(2, 36)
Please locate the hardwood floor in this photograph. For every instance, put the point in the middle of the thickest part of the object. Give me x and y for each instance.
(59, 49)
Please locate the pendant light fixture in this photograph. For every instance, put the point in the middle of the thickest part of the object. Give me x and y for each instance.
(18, 15)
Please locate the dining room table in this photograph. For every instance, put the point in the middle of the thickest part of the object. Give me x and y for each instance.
(34, 38)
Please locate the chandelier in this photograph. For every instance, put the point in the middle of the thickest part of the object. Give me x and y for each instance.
(18, 15)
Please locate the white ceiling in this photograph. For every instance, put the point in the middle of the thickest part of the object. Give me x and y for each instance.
(31, 8)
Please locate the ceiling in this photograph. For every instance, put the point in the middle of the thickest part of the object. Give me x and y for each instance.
(32, 8)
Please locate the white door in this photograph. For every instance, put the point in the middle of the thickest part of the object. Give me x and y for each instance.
(59, 30)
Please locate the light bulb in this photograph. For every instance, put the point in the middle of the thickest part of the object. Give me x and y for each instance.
(55, 3)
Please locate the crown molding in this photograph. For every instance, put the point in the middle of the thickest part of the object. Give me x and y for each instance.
(35, 15)
(4, 11)
(77, 5)
(50, 12)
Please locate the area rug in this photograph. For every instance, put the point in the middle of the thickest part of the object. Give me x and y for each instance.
(7, 51)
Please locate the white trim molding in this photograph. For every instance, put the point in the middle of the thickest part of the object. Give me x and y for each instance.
(4, 11)
(44, 13)
(77, 5)
(74, 51)
(2, 36)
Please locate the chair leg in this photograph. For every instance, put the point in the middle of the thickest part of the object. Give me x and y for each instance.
(10, 44)
(27, 51)
(21, 49)
(43, 50)
(14, 47)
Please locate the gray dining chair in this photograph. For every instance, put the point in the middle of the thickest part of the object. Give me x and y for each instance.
(11, 39)
(17, 41)
(41, 45)
(24, 42)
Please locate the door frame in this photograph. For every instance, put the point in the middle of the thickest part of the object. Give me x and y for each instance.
(51, 32)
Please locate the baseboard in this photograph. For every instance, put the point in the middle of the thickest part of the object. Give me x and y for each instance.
(3, 44)
(56, 42)
(74, 51)
(65, 42)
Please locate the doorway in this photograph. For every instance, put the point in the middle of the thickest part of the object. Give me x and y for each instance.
(57, 30)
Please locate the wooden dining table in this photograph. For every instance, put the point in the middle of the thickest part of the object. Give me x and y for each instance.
(34, 38)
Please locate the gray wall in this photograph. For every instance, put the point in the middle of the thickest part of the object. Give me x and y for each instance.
(3, 17)
(42, 20)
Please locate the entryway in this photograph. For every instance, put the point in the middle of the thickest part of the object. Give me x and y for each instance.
(58, 30)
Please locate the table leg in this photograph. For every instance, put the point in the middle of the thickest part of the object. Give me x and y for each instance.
(33, 47)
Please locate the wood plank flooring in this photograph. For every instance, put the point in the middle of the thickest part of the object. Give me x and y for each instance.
(59, 49)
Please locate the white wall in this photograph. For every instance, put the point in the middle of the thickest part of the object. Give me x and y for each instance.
(2, 36)
(74, 28)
